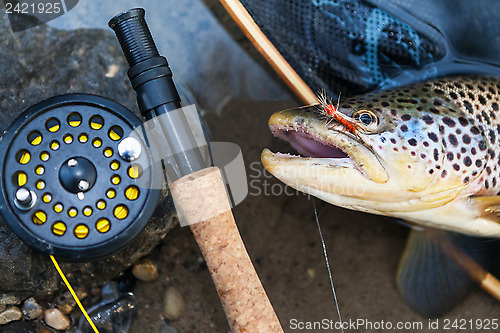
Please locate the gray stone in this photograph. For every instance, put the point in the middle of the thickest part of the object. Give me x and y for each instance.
(168, 329)
(12, 313)
(32, 309)
(56, 319)
(110, 292)
(8, 299)
(111, 317)
(39, 63)
(173, 303)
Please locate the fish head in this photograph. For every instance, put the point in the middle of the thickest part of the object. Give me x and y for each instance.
(387, 153)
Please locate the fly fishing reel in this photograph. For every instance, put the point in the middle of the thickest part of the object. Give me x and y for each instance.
(75, 183)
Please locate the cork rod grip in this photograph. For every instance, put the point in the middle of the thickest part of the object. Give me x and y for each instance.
(202, 200)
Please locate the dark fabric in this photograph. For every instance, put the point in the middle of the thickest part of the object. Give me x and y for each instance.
(353, 46)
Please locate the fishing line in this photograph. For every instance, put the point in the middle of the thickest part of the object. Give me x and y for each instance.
(327, 263)
(68, 285)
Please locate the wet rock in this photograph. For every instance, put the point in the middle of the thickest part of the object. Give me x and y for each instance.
(7, 299)
(37, 64)
(56, 319)
(66, 303)
(31, 309)
(110, 292)
(145, 269)
(173, 303)
(168, 329)
(20, 327)
(114, 317)
(12, 313)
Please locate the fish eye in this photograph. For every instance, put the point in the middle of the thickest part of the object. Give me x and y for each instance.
(366, 117)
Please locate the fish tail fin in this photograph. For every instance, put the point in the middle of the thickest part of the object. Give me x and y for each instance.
(439, 269)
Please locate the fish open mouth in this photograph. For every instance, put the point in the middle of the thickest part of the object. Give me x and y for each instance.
(307, 146)
(319, 144)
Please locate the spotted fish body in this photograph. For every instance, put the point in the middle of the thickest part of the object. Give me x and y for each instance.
(431, 156)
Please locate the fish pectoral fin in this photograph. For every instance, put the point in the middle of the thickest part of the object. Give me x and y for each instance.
(489, 206)
(435, 272)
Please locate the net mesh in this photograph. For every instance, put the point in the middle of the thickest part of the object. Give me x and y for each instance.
(353, 46)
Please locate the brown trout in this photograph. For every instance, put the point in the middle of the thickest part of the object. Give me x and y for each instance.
(427, 153)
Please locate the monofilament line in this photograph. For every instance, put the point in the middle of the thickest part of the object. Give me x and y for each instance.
(327, 264)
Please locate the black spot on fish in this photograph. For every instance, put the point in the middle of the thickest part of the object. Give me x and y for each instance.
(436, 154)
(386, 104)
(428, 119)
(449, 122)
(479, 163)
(412, 153)
(441, 129)
(486, 184)
(431, 171)
(458, 131)
(456, 167)
(482, 145)
(412, 142)
(486, 117)
(463, 121)
(495, 106)
(467, 161)
(453, 140)
(425, 143)
(393, 141)
(466, 138)
(474, 173)
(404, 128)
(482, 100)
(434, 110)
(468, 106)
(491, 152)
(474, 130)
(471, 96)
(473, 151)
(432, 136)
(466, 179)
(453, 95)
(488, 170)
(439, 91)
(405, 117)
(394, 113)
(438, 102)
(494, 181)
(449, 156)
(463, 150)
(443, 174)
(422, 156)
(382, 139)
(492, 136)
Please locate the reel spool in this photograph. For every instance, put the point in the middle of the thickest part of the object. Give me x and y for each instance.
(70, 177)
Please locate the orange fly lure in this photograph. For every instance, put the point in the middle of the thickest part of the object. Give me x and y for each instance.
(332, 112)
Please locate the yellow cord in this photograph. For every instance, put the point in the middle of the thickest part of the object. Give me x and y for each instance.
(66, 282)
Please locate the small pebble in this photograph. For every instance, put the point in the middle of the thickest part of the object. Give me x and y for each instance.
(32, 309)
(7, 299)
(56, 319)
(173, 304)
(145, 269)
(110, 292)
(12, 313)
(44, 330)
(168, 329)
